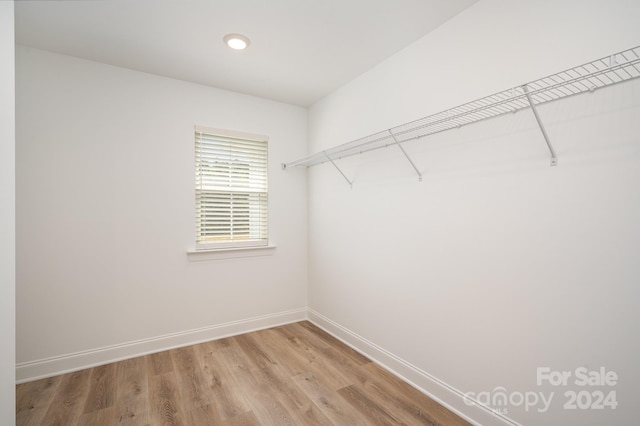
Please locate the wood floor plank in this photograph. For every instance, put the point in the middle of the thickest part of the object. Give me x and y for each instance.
(67, 405)
(132, 394)
(345, 360)
(262, 399)
(253, 351)
(280, 375)
(282, 387)
(368, 407)
(192, 383)
(228, 401)
(409, 401)
(159, 363)
(33, 399)
(295, 361)
(104, 416)
(296, 374)
(331, 341)
(329, 402)
(268, 409)
(237, 368)
(101, 388)
(244, 419)
(214, 345)
(405, 410)
(271, 367)
(312, 415)
(203, 415)
(313, 359)
(166, 407)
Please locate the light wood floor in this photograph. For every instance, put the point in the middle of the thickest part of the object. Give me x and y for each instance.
(290, 375)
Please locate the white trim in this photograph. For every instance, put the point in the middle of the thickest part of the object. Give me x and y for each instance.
(436, 389)
(239, 244)
(230, 253)
(230, 133)
(33, 370)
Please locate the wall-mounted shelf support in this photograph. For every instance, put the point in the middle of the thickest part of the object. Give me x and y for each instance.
(406, 155)
(554, 158)
(585, 78)
(338, 169)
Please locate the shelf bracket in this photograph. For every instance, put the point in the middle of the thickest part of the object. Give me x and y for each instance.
(406, 155)
(554, 158)
(338, 168)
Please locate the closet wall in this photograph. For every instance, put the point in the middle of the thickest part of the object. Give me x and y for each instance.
(496, 264)
(106, 214)
(7, 216)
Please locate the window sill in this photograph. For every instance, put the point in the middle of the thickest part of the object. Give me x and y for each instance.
(229, 253)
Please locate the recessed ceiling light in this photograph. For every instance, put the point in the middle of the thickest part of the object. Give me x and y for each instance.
(237, 41)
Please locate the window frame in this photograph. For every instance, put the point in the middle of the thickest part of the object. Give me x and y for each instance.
(256, 200)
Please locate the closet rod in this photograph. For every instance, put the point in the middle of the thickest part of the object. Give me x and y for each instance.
(606, 71)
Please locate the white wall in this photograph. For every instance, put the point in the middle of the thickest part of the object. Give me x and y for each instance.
(7, 216)
(496, 263)
(105, 215)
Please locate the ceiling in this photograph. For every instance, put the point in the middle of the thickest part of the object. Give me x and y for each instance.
(301, 50)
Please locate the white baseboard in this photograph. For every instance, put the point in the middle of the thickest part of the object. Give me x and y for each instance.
(33, 370)
(431, 386)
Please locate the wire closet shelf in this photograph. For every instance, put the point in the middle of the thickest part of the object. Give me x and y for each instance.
(612, 69)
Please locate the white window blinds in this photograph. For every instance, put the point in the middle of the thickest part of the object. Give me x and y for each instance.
(231, 189)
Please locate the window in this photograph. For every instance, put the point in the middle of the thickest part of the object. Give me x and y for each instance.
(231, 189)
